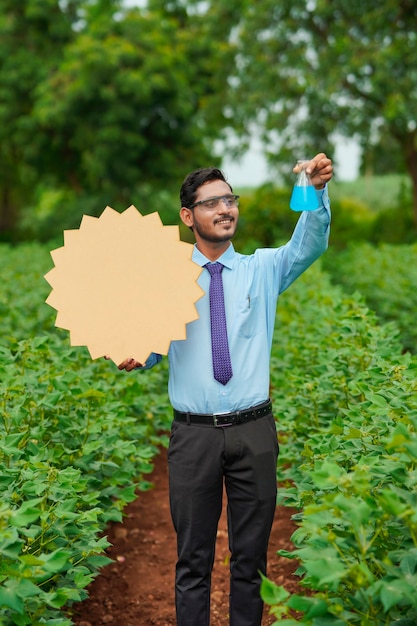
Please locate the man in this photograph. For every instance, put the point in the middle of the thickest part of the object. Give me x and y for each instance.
(223, 430)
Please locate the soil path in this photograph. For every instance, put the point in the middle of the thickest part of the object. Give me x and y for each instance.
(138, 588)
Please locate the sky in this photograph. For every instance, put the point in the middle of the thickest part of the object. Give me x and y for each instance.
(252, 169)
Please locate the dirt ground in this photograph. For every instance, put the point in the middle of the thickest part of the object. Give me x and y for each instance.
(138, 588)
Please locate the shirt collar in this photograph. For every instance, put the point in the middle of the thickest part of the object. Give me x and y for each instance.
(226, 259)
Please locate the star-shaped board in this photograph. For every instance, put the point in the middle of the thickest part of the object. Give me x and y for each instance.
(124, 285)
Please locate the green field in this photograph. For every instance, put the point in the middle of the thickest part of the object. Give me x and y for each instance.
(377, 192)
(77, 439)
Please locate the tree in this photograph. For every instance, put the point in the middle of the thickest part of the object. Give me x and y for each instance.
(384, 157)
(127, 104)
(32, 36)
(307, 69)
(128, 97)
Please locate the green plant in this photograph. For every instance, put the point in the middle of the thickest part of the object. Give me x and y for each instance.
(77, 439)
(347, 404)
(386, 275)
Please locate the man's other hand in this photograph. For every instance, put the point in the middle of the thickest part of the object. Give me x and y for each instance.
(128, 364)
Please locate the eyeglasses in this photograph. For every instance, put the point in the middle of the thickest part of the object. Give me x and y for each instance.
(212, 203)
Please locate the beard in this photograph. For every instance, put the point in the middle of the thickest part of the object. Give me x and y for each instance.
(209, 232)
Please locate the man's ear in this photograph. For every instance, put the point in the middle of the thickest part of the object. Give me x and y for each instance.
(187, 216)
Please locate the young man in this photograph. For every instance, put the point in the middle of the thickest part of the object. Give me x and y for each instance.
(223, 431)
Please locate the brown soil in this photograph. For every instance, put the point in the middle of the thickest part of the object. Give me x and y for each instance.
(138, 588)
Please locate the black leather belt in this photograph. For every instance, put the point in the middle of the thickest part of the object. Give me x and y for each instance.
(225, 419)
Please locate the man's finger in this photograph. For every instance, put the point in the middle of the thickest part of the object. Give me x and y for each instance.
(124, 364)
(319, 162)
(129, 364)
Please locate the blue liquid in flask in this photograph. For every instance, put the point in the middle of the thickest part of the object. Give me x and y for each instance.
(304, 198)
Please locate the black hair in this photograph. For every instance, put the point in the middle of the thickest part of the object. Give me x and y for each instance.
(195, 179)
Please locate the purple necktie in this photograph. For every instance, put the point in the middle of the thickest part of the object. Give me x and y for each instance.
(222, 367)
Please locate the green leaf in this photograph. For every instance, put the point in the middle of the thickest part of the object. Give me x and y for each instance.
(27, 513)
(62, 596)
(99, 561)
(56, 561)
(10, 543)
(30, 559)
(327, 474)
(83, 578)
(13, 591)
(9, 598)
(326, 570)
(271, 593)
(408, 564)
(392, 593)
(310, 606)
(377, 400)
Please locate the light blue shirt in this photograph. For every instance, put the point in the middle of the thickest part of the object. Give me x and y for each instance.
(252, 284)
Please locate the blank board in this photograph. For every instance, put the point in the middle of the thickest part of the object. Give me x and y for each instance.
(124, 285)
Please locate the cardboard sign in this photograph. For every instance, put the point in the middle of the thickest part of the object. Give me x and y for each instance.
(124, 285)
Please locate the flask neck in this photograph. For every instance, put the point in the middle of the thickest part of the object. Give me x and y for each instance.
(303, 180)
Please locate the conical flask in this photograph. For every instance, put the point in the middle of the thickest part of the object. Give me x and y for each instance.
(303, 197)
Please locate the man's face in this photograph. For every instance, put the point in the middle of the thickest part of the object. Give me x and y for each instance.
(216, 224)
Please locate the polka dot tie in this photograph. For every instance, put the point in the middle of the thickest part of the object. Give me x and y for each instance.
(222, 366)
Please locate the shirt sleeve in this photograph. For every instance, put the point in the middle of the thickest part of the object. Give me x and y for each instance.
(152, 360)
(308, 242)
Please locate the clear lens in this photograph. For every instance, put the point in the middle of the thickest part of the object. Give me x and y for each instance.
(212, 203)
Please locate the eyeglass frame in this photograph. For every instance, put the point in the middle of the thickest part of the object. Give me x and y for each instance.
(230, 197)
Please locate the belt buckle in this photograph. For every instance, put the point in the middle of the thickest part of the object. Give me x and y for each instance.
(217, 420)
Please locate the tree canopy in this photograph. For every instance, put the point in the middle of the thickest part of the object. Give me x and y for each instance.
(308, 69)
(101, 100)
(32, 36)
(103, 96)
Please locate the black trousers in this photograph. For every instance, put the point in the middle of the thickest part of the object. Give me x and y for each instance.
(201, 459)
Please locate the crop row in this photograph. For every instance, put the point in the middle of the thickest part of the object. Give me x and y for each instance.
(345, 398)
(77, 439)
(386, 276)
